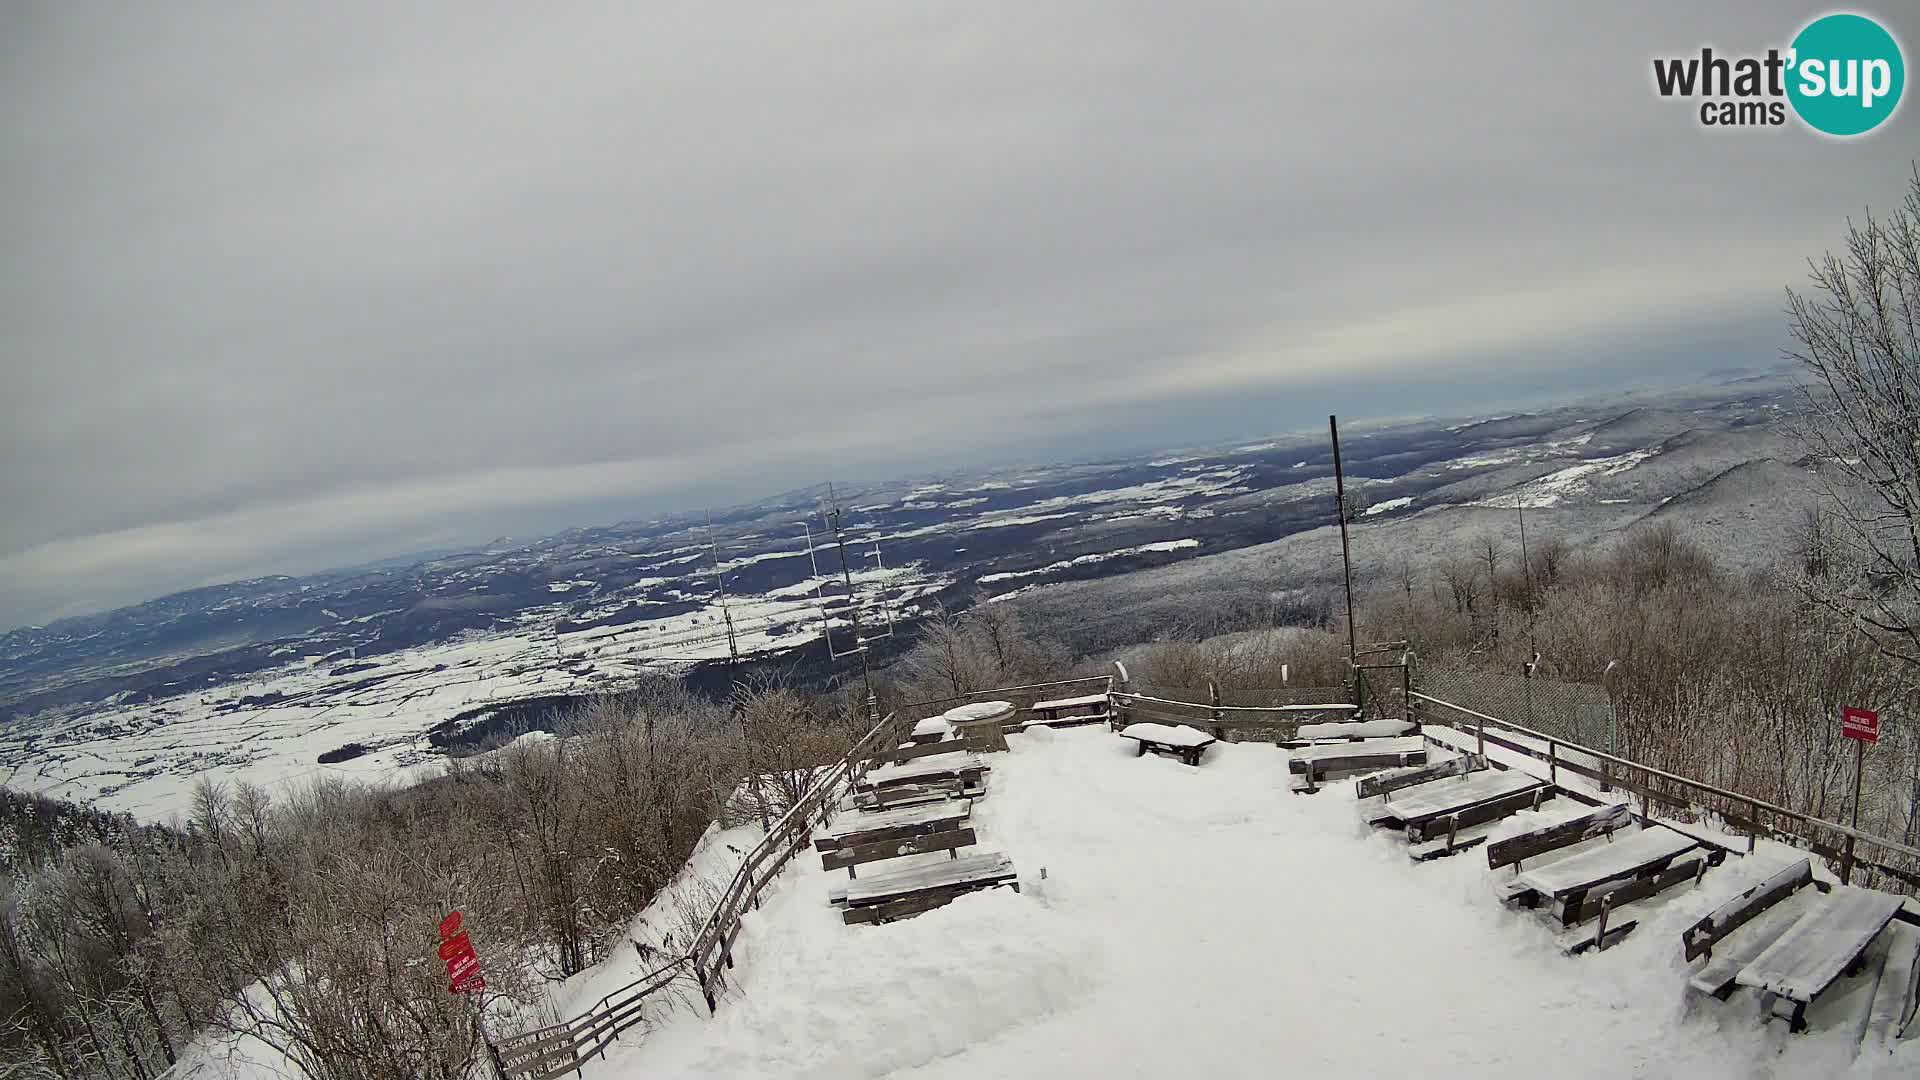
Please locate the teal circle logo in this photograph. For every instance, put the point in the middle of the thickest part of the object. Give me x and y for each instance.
(1846, 75)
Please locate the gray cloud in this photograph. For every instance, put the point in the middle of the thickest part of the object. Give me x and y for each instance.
(280, 289)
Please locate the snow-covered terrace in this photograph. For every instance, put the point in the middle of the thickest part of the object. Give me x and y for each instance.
(1181, 922)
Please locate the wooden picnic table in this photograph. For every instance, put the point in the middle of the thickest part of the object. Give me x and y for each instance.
(1333, 754)
(866, 828)
(1454, 793)
(1183, 742)
(1816, 950)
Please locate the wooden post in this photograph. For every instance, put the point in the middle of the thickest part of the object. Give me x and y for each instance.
(1600, 935)
(1553, 763)
(1480, 737)
(1213, 708)
(1846, 853)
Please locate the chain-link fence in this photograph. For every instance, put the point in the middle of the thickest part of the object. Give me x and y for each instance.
(1577, 712)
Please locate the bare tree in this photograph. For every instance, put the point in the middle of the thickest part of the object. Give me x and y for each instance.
(1856, 331)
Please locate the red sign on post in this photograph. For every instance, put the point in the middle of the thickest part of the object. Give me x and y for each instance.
(1860, 724)
(463, 965)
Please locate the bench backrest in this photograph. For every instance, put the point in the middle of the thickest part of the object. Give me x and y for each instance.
(856, 854)
(1737, 912)
(1600, 822)
(1385, 782)
(911, 753)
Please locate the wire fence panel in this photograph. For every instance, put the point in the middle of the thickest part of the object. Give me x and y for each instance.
(1577, 712)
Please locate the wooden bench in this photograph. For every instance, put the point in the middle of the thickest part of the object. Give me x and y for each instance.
(1893, 1000)
(1716, 978)
(1827, 942)
(885, 897)
(1321, 760)
(965, 768)
(1594, 882)
(896, 796)
(1086, 709)
(872, 828)
(1387, 782)
(1418, 806)
(849, 856)
(1514, 850)
(1350, 731)
(915, 751)
(1699, 939)
(1185, 743)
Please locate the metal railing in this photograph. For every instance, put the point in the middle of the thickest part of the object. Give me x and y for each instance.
(1754, 816)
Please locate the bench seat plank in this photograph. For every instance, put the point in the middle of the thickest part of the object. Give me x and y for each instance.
(1893, 1001)
(1456, 793)
(982, 869)
(913, 772)
(1059, 704)
(1822, 945)
(1168, 735)
(863, 827)
(1625, 857)
(1333, 753)
(1354, 729)
(1737, 950)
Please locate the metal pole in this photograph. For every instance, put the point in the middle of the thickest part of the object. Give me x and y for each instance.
(1346, 553)
(1846, 857)
(853, 612)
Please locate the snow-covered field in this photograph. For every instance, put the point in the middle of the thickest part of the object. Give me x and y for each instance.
(271, 730)
(1203, 922)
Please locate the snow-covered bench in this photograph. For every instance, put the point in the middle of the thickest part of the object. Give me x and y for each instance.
(871, 828)
(885, 897)
(1350, 731)
(1514, 850)
(1824, 944)
(1185, 743)
(1086, 709)
(1601, 878)
(1478, 796)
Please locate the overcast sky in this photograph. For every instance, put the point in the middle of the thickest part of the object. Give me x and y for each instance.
(289, 286)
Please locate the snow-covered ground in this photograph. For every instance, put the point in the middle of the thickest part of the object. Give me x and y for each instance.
(1203, 922)
(270, 730)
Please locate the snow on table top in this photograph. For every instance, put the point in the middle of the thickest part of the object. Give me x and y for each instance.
(979, 710)
(1070, 702)
(1456, 792)
(959, 871)
(1168, 734)
(1335, 751)
(933, 725)
(1624, 855)
(1820, 946)
(947, 765)
(1364, 729)
(862, 822)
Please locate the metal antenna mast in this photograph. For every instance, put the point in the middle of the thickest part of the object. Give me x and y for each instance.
(1346, 554)
(720, 586)
(853, 609)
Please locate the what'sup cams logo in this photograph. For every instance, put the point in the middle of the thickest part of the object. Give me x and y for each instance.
(1842, 75)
